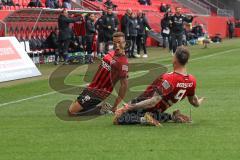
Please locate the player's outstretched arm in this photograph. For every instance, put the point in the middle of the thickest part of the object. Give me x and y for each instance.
(149, 103)
(195, 101)
(121, 93)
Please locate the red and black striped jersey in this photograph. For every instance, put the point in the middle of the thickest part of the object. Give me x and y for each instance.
(113, 68)
(173, 87)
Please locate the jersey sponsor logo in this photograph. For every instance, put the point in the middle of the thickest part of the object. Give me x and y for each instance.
(106, 66)
(178, 20)
(185, 85)
(125, 68)
(165, 84)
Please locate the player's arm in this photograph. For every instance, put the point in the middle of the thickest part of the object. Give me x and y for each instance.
(188, 19)
(149, 103)
(195, 101)
(121, 93)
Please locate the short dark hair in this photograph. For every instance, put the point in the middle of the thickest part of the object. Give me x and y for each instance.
(119, 34)
(182, 54)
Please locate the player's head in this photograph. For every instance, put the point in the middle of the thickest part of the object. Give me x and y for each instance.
(64, 12)
(119, 42)
(140, 13)
(178, 10)
(109, 10)
(92, 16)
(129, 11)
(181, 57)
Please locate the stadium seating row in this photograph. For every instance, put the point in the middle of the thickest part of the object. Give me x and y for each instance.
(19, 4)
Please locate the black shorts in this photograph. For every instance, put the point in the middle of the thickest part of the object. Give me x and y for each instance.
(88, 100)
(100, 37)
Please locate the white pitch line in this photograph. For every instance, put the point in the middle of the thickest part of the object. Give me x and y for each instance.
(53, 92)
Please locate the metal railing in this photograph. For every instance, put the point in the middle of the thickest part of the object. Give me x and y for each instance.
(225, 12)
(196, 7)
(216, 3)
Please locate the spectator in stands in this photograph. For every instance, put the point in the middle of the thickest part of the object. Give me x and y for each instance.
(198, 31)
(100, 30)
(165, 32)
(67, 4)
(90, 32)
(1, 5)
(168, 8)
(142, 33)
(177, 29)
(52, 3)
(7, 2)
(52, 40)
(132, 31)
(35, 3)
(110, 25)
(163, 8)
(145, 2)
(124, 22)
(65, 34)
(109, 3)
(230, 29)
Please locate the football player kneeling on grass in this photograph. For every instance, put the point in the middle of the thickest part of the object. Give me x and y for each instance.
(114, 68)
(167, 89)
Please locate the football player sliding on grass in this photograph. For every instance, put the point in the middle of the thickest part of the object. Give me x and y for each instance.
(113, 68)
(169, 88)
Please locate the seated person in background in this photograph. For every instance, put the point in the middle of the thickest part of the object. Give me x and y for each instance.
(67, 4)
(143, 2)
(7, 3)
(1, 5)
(35, 3)
(149, 2)
(109, 3)
(163, 8)
(198, 31)
(52, 40)
(168, 8)
(52, 3)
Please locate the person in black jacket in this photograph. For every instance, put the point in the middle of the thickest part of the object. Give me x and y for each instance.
(52, 40)
(165, 30)
(124, 22)
(132, 32)
(177, 29)
(65, 34)
(100, 40)
(110, 25)
(109, 3)
(142, 34)
(90, 31)
(230, 29)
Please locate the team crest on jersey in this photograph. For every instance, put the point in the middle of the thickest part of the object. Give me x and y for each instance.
(165, 84)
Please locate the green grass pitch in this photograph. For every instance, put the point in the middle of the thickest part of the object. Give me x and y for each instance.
(30, 130)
